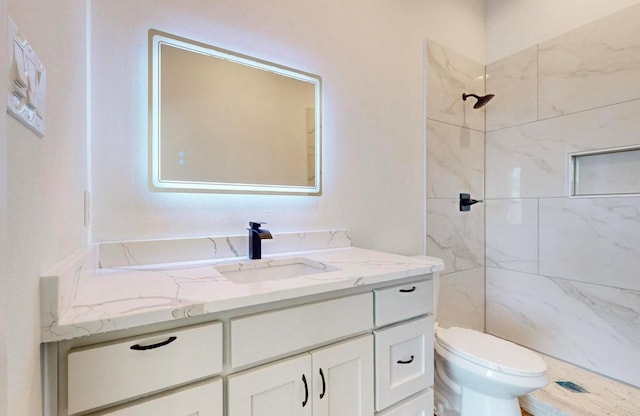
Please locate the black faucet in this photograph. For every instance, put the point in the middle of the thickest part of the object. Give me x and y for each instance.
(256, 235)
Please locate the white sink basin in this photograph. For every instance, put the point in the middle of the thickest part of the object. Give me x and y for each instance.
(273, 269)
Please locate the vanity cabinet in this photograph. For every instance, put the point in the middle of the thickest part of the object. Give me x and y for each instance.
(355, 352)
(331, 381)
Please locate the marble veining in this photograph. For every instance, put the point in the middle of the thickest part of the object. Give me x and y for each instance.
(592, 240)
(456, 237)
(593, 326)
(512, 234)
(595, 65)
(605, 397)
(455, 161)
(461, 301)
(131, 253)
(531, 160)
(514, 81)
(106, 299)
(562, 271)
(449, 74)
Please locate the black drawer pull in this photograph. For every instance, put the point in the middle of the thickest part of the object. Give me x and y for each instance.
(306, 391)
(139, 347)
(409, 361)
(413, 289)
(324, 384)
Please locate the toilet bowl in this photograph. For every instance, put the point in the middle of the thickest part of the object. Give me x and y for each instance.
(478, 374)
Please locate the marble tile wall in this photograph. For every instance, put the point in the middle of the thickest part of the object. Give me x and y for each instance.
(593, 66)
(514, 81)
(455, 164)
(563, 273)
(449, 75)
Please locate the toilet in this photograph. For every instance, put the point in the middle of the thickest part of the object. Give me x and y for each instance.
(477, 374)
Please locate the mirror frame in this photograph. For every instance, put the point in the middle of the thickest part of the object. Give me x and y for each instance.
(156, 183)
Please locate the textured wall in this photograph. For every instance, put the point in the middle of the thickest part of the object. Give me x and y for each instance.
(46, 178)
(563, 273)
(3, 215)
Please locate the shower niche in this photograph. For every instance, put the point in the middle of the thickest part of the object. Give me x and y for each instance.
(605, 172)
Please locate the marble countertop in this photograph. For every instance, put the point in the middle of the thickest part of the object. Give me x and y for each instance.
(79, 298)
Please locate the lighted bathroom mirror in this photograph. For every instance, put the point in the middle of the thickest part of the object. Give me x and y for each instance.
(225, 122)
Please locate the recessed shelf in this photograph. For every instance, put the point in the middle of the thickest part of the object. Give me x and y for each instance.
(606, 172)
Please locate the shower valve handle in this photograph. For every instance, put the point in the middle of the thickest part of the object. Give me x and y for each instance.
(466, 202)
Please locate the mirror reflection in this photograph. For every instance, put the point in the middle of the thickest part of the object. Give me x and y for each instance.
(222, 121)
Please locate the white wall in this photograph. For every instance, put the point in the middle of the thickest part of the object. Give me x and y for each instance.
(46, 178)
(3, 212)
(515, 25)
(370, 56)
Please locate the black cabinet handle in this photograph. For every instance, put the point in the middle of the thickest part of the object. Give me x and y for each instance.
(409, 361)
(324, 384)
(139, 347)
(413, 289)
(306, 391)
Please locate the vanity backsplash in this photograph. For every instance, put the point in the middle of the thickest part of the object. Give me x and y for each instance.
(132, 253)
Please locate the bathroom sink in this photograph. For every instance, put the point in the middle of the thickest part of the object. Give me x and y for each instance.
(272, 269)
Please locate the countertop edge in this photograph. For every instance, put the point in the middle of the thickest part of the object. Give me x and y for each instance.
(65, 316)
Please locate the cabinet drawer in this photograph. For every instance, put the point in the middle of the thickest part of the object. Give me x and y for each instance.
(404, 361)
(420, 405)
(399, 303)
(271, 334)
(112, 372)
(202, 399)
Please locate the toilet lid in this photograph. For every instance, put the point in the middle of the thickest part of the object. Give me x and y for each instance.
(491, 352)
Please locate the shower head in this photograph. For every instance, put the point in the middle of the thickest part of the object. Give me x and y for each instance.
(482, 100)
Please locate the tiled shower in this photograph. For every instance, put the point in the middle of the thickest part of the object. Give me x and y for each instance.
(562, 272)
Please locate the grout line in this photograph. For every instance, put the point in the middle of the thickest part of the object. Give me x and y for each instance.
(546, 276)
(484, 197)
(567, 114)
(425, 179)
(538, 262)
(537, 82)
(88, 120)
(454, 125)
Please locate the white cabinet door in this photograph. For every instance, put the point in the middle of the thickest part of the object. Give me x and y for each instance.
(279, 389)
(343, 378)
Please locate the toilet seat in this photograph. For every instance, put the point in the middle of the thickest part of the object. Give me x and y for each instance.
(491, 352)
